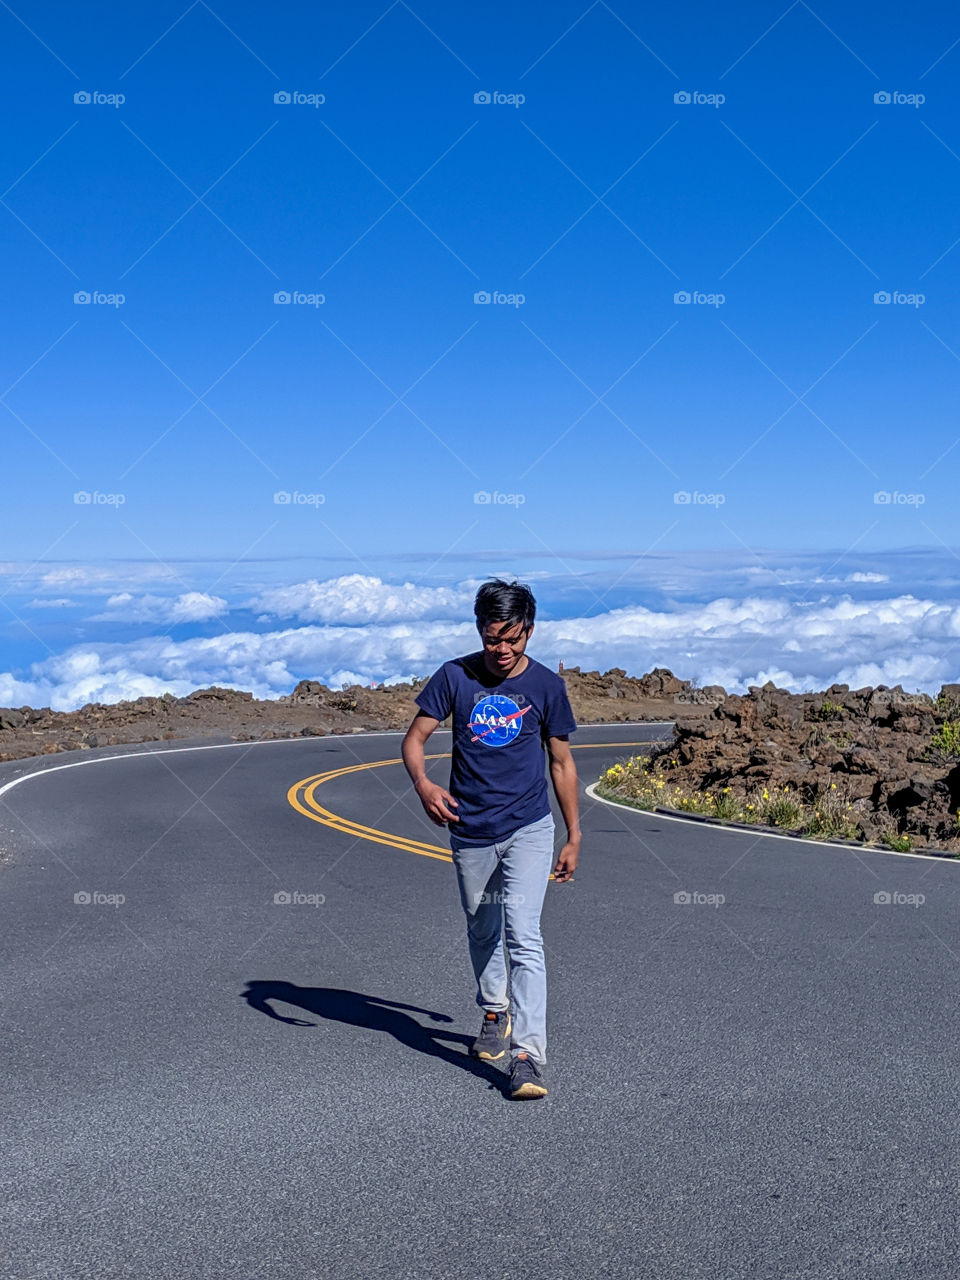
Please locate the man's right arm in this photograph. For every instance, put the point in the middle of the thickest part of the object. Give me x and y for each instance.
(435, 799)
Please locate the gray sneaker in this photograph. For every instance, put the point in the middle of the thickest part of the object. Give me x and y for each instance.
(526, 1078)
(494, 1037)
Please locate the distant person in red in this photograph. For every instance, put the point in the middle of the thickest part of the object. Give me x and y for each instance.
(505, 708)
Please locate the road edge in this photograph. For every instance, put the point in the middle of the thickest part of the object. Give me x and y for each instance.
(704, 821)
(149, 748)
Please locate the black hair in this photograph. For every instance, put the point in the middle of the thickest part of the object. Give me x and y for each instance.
(499, 601)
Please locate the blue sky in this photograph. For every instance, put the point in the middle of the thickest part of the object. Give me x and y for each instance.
(691, 484)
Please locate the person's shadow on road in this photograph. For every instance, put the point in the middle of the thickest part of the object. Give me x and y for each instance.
(358, 1010)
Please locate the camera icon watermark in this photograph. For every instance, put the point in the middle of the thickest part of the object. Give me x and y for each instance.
(694, 498)
(94, 498)
(85, 898)
(494, 298)
(88, 98)
(294, 298)
(295, 898)
(894, 498)
(894, 298)
(691, 897)
(292, 97)
(486, 98)
(494, 498)
(694, 298)
(497, 897)
(693, 98)
(94, 298)
(294, 498)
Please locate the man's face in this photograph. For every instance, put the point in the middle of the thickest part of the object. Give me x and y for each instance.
(503, 646)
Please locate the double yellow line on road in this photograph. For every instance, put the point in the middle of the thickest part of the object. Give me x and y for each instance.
(302, 796)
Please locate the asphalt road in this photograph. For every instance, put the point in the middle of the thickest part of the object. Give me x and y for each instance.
(758, 1082)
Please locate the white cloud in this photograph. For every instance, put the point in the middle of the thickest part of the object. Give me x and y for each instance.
(850, 577)
(103, 578)
(358, 598)
(732, 641)
(192, 606)
(61, 603)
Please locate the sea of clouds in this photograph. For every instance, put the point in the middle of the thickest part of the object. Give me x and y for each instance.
(802, 632)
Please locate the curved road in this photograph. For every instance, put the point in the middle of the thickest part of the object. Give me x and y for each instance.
(203, 1081)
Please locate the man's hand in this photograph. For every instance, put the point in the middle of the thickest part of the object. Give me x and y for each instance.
(435, 801)
(567, 862)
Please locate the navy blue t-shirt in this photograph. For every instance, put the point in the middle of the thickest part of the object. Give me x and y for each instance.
(497, 774)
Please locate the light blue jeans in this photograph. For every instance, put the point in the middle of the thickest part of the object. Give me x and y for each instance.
(502, 887)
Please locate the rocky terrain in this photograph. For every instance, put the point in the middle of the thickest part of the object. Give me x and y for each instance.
(893, 756)
(312, 708)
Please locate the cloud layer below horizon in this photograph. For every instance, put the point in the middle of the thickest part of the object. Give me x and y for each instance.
(358, 628)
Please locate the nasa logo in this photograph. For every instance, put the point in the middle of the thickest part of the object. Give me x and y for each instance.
(495, 720)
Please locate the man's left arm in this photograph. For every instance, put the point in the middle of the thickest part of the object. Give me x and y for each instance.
(563, 774)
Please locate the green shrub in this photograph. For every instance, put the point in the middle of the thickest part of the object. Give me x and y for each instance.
(829, 710)
(946, 740)
(783, 812)
(831, 815)
(645, 783)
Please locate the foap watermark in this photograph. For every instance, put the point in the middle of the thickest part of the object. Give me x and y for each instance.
(693, 98)
(894, 898)
(694, 298)
(893, 98)
(494, 498)
(894, 498)
(97, 899)
(94, 298)
(498, 896)
(86, 498)
(294, 498)
(694, 498)
(494, 98)
(493, 298)
(294, 298)
(93, 98)
(296, 898)
(294, 98)
(693, 898)
(894, 298)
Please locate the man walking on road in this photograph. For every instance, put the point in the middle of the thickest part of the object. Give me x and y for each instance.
(504, 707)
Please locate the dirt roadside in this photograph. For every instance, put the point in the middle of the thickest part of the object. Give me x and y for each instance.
(312, 709)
